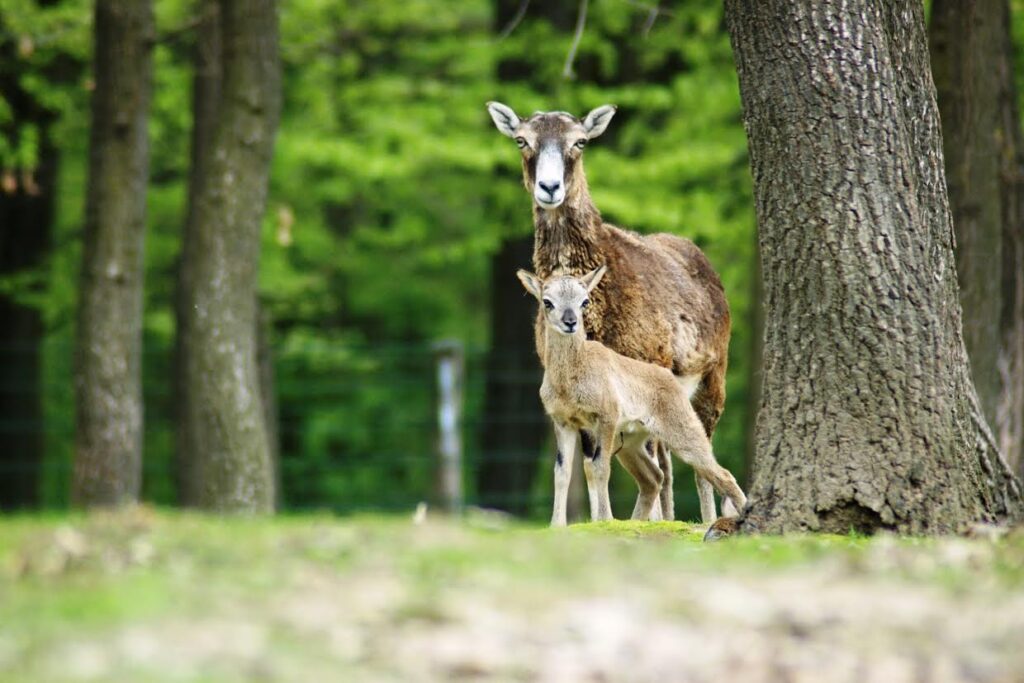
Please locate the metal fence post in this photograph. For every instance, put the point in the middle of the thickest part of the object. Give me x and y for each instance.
(449, 357)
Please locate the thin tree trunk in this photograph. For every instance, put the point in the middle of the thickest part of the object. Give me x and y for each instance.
(206, 93)
(965, 39)
(972, 60)
(1009, 422)
(869, 419)
(268, 393)
(231, 453)
(108, 385)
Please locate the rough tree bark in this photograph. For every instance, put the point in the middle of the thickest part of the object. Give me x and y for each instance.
(972, 62)
(231, 455)
(207, 80)
(108, 383)
(869, 417)
(756, 369)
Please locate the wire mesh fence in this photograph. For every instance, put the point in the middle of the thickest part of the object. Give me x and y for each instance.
(358, 429)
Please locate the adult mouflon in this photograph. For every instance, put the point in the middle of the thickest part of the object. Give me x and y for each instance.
(661, 301)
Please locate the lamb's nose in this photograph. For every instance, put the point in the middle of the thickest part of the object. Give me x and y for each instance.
(551, 187)
(569, 320)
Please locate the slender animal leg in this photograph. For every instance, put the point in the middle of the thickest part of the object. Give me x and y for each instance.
(635, 458)
(708, 401)
(686, 438)
(666, 497)
(598, 470)
(591, 452)
(698, 454)
(566, 440)
(706, 493)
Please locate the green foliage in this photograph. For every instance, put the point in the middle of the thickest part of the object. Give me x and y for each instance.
(390, 192)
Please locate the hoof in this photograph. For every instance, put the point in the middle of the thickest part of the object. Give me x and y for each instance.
(723, 526)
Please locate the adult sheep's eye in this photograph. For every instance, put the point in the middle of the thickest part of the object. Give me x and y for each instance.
(548, 305)
(521, 142)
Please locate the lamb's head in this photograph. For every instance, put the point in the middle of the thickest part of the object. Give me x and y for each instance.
(564, 297)
(552, 143)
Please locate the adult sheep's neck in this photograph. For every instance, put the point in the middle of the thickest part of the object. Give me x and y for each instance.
(567, 238)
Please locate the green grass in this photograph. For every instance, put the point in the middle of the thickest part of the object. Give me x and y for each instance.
(148, 595)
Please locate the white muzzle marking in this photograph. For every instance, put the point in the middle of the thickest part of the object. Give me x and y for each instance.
(549, 185)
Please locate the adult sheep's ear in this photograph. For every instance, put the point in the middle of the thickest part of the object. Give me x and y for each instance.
(530, 281)
(504, 118)
(591, 279)
(598, 119)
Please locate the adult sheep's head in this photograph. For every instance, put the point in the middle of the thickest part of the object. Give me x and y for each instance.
(552, 143)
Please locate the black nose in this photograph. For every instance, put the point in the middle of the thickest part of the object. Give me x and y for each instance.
(551, 188)
(569, 320)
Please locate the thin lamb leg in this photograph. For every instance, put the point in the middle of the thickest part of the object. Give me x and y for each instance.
(706, 493)
(667, 508)
(648, 476)
(598, 470)
(566, 440)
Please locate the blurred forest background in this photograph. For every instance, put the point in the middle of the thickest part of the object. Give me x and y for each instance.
(396, 218)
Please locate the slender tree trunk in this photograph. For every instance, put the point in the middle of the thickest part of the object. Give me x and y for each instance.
(231, 453)
(869, 419)
(1009, 421)
(108, 385)
(972, 61)
(206, 93)
(268, 393)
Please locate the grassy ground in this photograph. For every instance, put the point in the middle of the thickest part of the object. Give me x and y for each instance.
(155, 596)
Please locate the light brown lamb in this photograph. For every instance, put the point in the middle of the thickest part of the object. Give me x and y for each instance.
(589, 386)
(661, 303)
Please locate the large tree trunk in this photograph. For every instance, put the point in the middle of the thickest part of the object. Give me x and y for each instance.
(869, 416)
(972, 56)
(206, 93)
(108, 385)
(231, 455)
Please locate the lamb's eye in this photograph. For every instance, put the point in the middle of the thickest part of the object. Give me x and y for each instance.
(548, 305)
(581, 143)
(586, 302)
(521, 142)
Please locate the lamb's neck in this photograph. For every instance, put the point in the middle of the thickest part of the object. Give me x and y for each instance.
(567, 238)
(563, 355)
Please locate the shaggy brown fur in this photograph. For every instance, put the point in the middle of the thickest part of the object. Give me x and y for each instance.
(661, 301)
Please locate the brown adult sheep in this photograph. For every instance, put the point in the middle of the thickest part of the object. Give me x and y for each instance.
(661, 302)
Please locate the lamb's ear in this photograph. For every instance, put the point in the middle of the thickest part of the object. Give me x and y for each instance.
(530, 281)
(598, 119)
(504, 118)
(591, 279)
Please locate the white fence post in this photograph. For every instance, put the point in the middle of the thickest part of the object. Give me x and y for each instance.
(449, 357)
